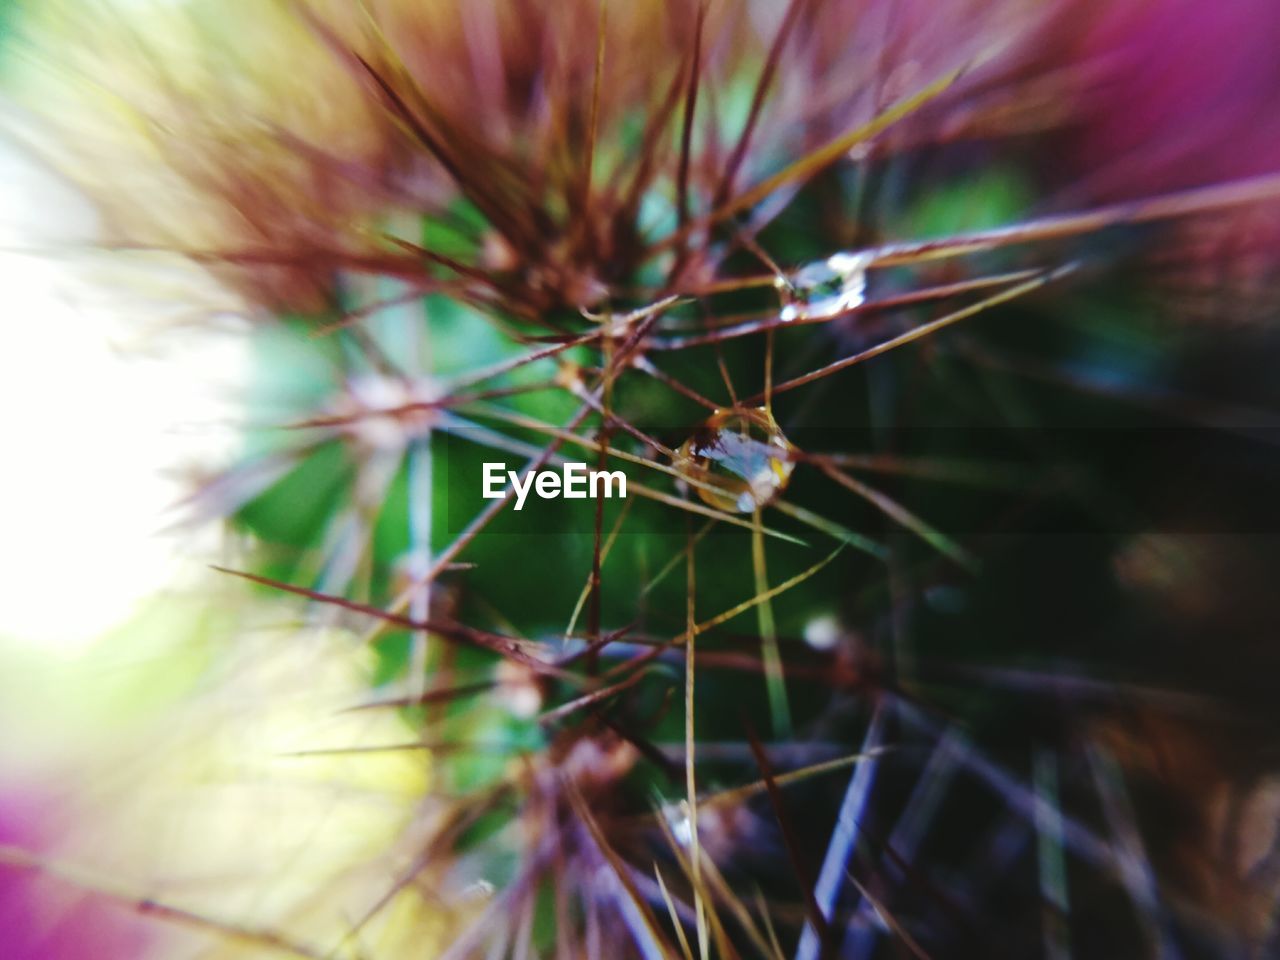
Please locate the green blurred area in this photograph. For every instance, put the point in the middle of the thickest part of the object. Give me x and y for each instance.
(529, 571)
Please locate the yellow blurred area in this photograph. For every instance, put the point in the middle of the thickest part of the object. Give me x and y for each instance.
(198, 125)
(156, 709)
(206, 758)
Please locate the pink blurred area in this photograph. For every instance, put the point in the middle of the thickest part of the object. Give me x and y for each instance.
(45, 917)
(1180, 92)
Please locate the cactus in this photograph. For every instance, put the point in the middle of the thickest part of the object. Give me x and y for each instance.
(869, 659)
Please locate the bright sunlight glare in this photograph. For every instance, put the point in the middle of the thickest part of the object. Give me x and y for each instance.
(92, 427)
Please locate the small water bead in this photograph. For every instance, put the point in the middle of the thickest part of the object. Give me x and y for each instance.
(825, 288)
(822, 632)
(738, 461)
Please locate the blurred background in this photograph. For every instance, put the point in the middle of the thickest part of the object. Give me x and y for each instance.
(938, 338)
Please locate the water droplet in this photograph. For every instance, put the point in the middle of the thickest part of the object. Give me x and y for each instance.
(738, 460)
(822, 632)
(679, 821)
(825, 288)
